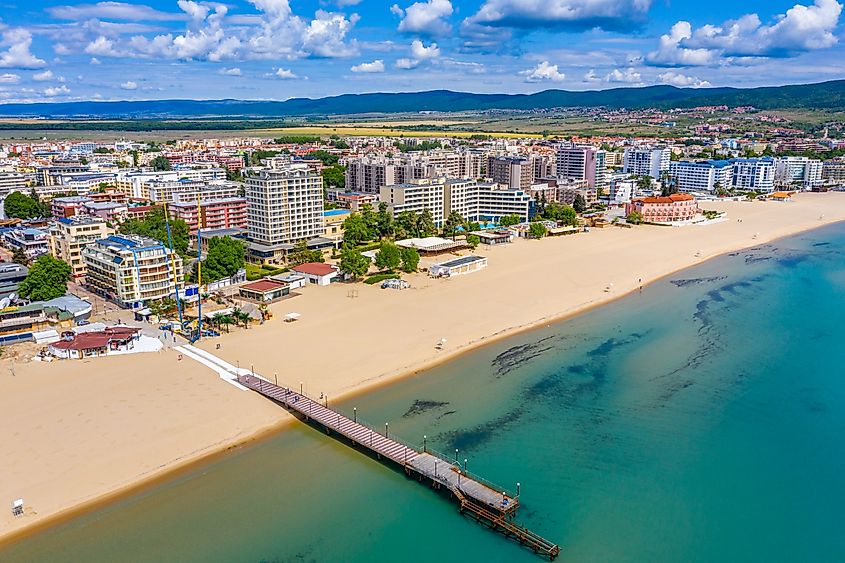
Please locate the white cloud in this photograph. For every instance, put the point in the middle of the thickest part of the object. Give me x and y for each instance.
(406, 64)
(615, 15)
(422, 53)
(426, 18)
(671, 53)
(112, 11)
(56, 91)
(43, 76)
(590, 76)
(543, 72)
(17, 55)
(628, 76)
(274, 33)
(284, 74)
(682, 80)
(95, 61)
(129, 85)
(9, 78)
(375, 66)
(802, 28)
(234, 71)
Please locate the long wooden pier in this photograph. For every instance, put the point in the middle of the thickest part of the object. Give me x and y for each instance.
(488, 504)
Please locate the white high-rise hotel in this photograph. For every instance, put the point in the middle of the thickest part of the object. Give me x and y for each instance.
(646, 161)
(284, 207)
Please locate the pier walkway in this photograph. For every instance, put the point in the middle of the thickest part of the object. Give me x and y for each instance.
(489, 504)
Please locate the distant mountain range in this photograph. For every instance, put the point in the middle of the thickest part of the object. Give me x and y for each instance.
(825, 95)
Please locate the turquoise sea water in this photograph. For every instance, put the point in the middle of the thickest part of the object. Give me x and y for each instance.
(700, 420)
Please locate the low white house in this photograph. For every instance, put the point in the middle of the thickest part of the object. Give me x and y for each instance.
(458, 266)
(318, 273)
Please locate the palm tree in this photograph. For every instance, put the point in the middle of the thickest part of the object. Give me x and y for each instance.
(241, 316)
(225, 320)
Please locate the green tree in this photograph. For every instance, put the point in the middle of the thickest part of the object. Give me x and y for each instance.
(410, 259)
(425, 224)
(635, 217)
(406, 225)
(451, 224)
(302, 254)
(668, 189)
(537, 230)
(388, 257)
(568, 216)
(510, 220)
(384, 221)
(47, 279)
(580, 204)
(353, 262)
(327, 158)
(134, 154)
(160, 163)
(355, 230)
(473, 241)
(644, 183)
(224, 258)
(242, 317)
(334, 176)
(20, 257)
(154, 226)
(21, 206)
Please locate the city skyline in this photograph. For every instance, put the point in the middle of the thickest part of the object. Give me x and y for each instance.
(275, 49)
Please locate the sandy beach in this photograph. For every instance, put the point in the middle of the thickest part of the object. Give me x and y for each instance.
(75, 431)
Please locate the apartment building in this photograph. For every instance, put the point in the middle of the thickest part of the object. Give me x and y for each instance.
(798, 171)
(753, 174)
(11, 182)
(52, 175)
(369, 174)
(132, 270)
(416, 197)
(32, 242)
(514, 172)
(69, 236)
(61, 207)
(226, 213)
(132, 182)
(160, 191)
(833, 171)
(582, 163)
(705, 176)
(646, 161)
(486, 202)
(283, 207)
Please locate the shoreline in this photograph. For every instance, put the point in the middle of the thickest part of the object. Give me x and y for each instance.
(355, 388)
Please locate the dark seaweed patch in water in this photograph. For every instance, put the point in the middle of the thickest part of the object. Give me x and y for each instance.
(447, 413)
(518, 356)
(466, 440)
(817, 244)
(420, 406)
(697, 281)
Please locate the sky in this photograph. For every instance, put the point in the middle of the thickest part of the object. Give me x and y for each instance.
(279, 49)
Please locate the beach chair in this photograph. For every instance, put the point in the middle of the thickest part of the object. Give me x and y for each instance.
(17, 507)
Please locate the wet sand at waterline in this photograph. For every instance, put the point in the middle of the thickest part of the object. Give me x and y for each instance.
(75, 431)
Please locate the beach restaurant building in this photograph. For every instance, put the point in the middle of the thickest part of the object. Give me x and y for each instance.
(669, 209)
(264, 291)
(458, 266)
(318, 273)
(92, 344)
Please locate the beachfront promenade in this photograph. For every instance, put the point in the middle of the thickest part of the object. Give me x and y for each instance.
(487, 503)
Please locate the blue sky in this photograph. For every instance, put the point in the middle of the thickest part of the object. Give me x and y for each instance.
(277, 49)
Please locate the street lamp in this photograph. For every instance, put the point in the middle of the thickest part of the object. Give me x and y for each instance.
(456, 455)
(465, 465)
(459, 478)
(385, 430)
(300, 388)
(517, 490)
(327, 401)
(355, 414)
(275, 378)
(425, 446)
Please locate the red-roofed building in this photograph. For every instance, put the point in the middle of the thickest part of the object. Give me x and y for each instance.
(318, 273)
(664, 209)
(92, 344)
(264, 291)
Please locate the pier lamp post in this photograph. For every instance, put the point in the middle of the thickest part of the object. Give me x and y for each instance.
(300, 388)
(517, 490)
(275, 378)
(385, 430)
(252, 369)
(327, 401)
(425, 445)
(456, 455)
(465, 465)
(355, 414)
(459, 479)
(435, 469)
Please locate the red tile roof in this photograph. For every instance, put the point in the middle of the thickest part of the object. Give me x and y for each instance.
(92, 340)
(315, 269)
(671, 198)
(263, 286)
